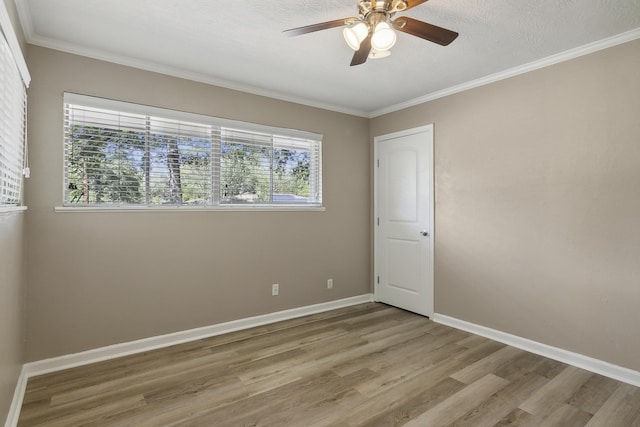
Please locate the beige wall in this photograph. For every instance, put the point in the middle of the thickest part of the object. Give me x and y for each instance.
(103, 278)
(538, 203)
(536, 214)
(12, 319)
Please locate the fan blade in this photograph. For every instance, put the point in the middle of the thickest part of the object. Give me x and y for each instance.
(317, 27)
(414, 3)
(430, 32)
(361, 55)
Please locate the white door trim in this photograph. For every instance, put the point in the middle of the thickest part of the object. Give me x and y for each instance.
(376, 142)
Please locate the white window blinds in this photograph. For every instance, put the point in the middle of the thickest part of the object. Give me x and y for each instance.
(121, 154)
(13, 99)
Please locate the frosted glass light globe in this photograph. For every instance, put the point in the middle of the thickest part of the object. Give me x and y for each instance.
(355, 34)
(383, 37)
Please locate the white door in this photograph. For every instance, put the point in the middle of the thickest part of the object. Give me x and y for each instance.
(403, 190)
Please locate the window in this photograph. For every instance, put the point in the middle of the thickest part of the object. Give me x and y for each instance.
(121, 154)
(13, 99)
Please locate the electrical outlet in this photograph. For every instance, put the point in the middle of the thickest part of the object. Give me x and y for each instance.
(330, 284)
(275, 289)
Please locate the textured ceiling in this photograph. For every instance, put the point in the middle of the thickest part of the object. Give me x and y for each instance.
(239, 44)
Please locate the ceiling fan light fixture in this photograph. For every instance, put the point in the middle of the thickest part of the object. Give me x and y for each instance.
(372, 32)
(377, 54)
(355, 34)
(383, 37)
(400, 6)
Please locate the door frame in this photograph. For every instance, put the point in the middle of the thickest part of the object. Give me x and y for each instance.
(427, 129)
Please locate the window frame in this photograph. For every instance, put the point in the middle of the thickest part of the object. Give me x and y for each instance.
(16, 58)
(217, 124)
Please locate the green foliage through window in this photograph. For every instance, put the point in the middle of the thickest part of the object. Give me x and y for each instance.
(121, 158)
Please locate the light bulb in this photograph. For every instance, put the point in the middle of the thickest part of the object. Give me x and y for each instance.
(383, 37)
(355, 34)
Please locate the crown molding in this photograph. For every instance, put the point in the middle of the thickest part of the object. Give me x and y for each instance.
(183, 74)
(512, 72)
(32, 38)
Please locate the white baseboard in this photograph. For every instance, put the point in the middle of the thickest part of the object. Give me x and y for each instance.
(40, 367)
(16, 403)
(575, 359)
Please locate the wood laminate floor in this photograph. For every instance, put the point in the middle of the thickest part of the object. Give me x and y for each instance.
(369, 364)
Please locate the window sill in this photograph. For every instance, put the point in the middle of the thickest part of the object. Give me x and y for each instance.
(243, 208)
(7, 210)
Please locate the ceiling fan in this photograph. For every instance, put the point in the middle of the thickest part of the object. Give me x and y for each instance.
(371, 33)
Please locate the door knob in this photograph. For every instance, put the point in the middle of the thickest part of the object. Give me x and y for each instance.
(424, 233)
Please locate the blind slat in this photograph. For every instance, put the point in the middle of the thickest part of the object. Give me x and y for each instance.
(12, 123)
(130, 158)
